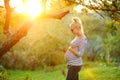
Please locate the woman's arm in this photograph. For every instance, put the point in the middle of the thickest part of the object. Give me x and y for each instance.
(81, 50)
(72, 50)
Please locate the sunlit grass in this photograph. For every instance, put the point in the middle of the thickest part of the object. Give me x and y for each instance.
(39, 74)
(93, 71)
(100, 71)
(89, 73)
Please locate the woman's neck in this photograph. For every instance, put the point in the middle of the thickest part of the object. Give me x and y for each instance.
(80, 35)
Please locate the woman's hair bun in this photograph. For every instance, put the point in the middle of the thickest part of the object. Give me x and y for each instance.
(75, 19)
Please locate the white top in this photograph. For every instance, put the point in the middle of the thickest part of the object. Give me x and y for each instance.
(79, 45)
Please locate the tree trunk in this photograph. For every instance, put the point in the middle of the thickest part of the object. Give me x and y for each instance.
(57, 16)
(7, 20)
(13, 39)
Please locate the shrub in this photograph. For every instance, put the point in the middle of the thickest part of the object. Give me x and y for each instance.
(3, 73)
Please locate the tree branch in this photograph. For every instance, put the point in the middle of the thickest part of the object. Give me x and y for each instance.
(7, 19)
(13, 39)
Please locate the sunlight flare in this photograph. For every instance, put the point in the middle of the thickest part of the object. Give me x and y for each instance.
(17, 5)
(1, 2)
(31, 8)
(91, 2)
(48, 5)
(78, 8)
(89, 73)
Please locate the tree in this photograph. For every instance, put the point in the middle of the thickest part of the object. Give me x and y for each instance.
(8, 14)
(110, 7)
(112, 40)
(15, 37)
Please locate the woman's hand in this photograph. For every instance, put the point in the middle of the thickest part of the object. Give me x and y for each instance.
(72, 50)
(69, 47)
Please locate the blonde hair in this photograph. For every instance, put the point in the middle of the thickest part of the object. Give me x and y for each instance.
(76, 22)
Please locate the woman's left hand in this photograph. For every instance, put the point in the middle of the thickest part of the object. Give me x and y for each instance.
(72, 50)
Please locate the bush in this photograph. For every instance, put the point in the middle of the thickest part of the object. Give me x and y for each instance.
(3, 73)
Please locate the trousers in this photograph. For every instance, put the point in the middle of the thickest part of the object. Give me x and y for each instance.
(72, 73)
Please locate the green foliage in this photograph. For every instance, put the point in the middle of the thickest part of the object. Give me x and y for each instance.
(112, 40)
(94, 48)
(112, 26)
(27, 77)
(90, 71)
(3, 74)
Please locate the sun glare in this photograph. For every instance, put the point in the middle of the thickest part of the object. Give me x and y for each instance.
(48, 5)
(90, 74)
(89, 2)
(78, 8)
(1, 2)
(31, 8)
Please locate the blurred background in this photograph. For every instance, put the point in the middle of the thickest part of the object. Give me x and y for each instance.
(48, 38)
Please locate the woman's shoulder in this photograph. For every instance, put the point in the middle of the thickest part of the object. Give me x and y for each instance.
(82, 40)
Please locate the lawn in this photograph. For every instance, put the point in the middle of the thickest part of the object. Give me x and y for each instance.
(90, 71)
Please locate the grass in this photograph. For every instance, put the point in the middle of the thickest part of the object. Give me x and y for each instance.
(90, 71)
(100, 71)
(39, 74)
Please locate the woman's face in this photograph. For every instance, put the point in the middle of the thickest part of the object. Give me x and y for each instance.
(75, 30)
